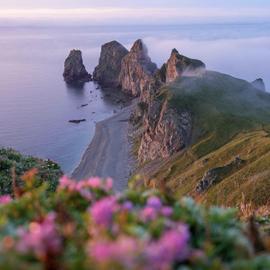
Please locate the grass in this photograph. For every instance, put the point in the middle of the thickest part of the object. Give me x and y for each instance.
(230, 119)
(222, 107)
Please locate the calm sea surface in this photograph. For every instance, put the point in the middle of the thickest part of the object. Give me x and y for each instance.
(35, 103)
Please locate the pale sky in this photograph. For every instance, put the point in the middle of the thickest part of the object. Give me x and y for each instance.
(132, 11)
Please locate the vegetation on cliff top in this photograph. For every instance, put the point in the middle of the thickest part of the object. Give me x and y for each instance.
(85, 225)
(10, 159)
(230, 119)
(222, 107)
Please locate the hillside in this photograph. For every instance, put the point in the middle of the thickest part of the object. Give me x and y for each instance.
(230, 121)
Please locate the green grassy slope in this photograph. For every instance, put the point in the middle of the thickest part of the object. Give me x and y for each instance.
(231, 118)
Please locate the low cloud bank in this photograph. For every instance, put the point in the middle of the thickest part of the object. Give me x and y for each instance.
(97, 16)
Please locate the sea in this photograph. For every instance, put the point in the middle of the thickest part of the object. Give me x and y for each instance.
(36, 104)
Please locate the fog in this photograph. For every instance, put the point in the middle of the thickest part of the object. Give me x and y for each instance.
(245, 58)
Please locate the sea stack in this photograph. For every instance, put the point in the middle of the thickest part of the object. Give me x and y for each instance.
(137, 70)
(109, 67)
(178, 65)
(74, 70)
(259, 84)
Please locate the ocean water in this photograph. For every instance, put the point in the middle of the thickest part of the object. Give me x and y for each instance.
(35, 103)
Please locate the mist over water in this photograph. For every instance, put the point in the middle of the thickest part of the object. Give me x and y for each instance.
(35, 103)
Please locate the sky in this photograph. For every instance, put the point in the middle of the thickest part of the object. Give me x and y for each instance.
(132, 11)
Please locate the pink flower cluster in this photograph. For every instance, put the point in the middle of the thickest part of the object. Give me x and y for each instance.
(102, 211)
(159, 254)
(5, 199)
(154, 208)
(41, 238)
(83, 187)
(122, 251)
(171, 247)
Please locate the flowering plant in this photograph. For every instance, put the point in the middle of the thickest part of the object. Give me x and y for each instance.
(86, 225)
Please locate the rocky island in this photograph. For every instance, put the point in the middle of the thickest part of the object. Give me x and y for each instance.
(74, 69)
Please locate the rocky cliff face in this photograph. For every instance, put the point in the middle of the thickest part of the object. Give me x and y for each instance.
(74, 69)
(179, 65)
(109, 67)
(137, 70)
(166, 131)
(259, 84)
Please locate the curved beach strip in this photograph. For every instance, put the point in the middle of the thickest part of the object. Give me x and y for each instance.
(109, 153)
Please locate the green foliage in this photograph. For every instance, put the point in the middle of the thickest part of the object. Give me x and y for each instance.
(64, 230)
(48, 170)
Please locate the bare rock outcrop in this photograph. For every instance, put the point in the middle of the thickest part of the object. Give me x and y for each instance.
(179, 65)
(74, 69)
(215, 175)
(109, 67)
(259, 84)
(137, 70)
(166, 131)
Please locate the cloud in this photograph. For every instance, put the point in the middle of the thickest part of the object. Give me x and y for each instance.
(132, 15)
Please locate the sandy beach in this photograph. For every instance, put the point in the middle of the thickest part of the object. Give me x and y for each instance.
(109, 153)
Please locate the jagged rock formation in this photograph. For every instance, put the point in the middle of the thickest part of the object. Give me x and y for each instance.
(215, 175)
(74, 70)
(166, 131)
(259, 84)
(179, 65)
(137, 70)
(109, 67)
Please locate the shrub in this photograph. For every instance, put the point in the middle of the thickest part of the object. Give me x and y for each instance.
(86, 225)
(10, 159)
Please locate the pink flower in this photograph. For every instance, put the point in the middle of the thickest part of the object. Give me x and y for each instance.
(154, 202)
(170, 248)
(166, 211)
(5, 199)
(66, 183)
(86, 194)
(102, 211)
(109, 184)
(127, 206)
(40, 238)
(148, 214)
(122, 251)
(94, 182)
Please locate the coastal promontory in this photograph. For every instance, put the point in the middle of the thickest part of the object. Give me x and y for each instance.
(179, 65)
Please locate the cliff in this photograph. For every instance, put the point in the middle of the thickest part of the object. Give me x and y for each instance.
(166, 131)
(137, 70)
(179, 65)
(221, 124)
(74, 69)
(109, 67)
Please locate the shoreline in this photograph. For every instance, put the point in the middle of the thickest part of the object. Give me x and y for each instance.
(109, 152)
